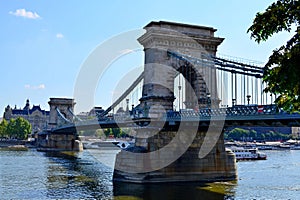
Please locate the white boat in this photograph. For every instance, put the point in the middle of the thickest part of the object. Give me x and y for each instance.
(99, 144)
(248, 154)
(89, 145)
(123, 144)
(295, 147)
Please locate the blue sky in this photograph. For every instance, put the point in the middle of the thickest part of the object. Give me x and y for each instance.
(44, 43)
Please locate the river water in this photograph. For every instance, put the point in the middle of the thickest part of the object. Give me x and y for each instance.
(39, 175)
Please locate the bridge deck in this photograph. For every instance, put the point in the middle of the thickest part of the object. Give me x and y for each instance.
(194, 118)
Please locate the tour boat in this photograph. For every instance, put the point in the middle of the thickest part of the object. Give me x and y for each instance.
(295, 147)
(123, 144)
(248, 154)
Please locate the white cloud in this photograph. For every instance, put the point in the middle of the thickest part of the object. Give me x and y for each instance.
(35, 87)
(126, 51)
(26, 14)
(59, 35)
(42, 86)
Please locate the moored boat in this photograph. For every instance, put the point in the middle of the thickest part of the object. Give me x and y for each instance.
(295, 147)
(248, 153)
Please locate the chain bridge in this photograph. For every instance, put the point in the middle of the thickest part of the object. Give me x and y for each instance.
(188, 96)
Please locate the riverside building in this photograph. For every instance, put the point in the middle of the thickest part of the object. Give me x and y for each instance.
(37, 117)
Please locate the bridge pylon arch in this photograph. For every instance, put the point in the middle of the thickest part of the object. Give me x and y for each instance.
(189, 151)
(63, 105)
(160, 69)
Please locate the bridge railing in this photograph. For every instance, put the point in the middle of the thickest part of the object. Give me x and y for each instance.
(237, 110)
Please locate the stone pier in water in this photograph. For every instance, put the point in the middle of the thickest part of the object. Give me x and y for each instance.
(192, 151)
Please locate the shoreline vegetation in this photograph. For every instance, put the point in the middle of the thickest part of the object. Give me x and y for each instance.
(18, 128)
(250, 135)
(14, 145)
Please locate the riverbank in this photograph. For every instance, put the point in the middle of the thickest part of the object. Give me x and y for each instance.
(15, 148)
(6, 143)
(15, 145)
(274, 145)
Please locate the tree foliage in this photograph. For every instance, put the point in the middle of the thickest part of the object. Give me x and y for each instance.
(18, 128)
(282, 71)
(100, 133)
(3, 128)
(87, 132)
(242, 134)
(115, 132)
(239, 134)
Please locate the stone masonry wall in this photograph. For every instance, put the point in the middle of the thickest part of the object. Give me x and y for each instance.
(217, 165)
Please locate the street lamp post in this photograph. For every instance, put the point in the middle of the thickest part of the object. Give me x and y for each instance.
(233, 102)
(179, 88)
(127, 103)
(248, 98)
(208, 100)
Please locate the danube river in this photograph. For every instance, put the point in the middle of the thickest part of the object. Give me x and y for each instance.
(38, 175)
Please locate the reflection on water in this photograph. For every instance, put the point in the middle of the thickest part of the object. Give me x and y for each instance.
(37, 175)
(82, 177)
(173, 191)
(77, 176)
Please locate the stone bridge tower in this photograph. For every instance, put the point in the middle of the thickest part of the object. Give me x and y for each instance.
(64, 105)
(160, 70)
(204, 157)
(62, 140)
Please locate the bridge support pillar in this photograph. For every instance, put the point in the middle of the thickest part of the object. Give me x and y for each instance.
(64, 105)
(160, 70)
(217, 165)
(49, 140)
(149, 161)
(59, 142)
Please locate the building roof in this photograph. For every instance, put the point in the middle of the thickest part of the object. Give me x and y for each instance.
(34, 108)
(27, 110)
(27, 106)
(168, 23)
